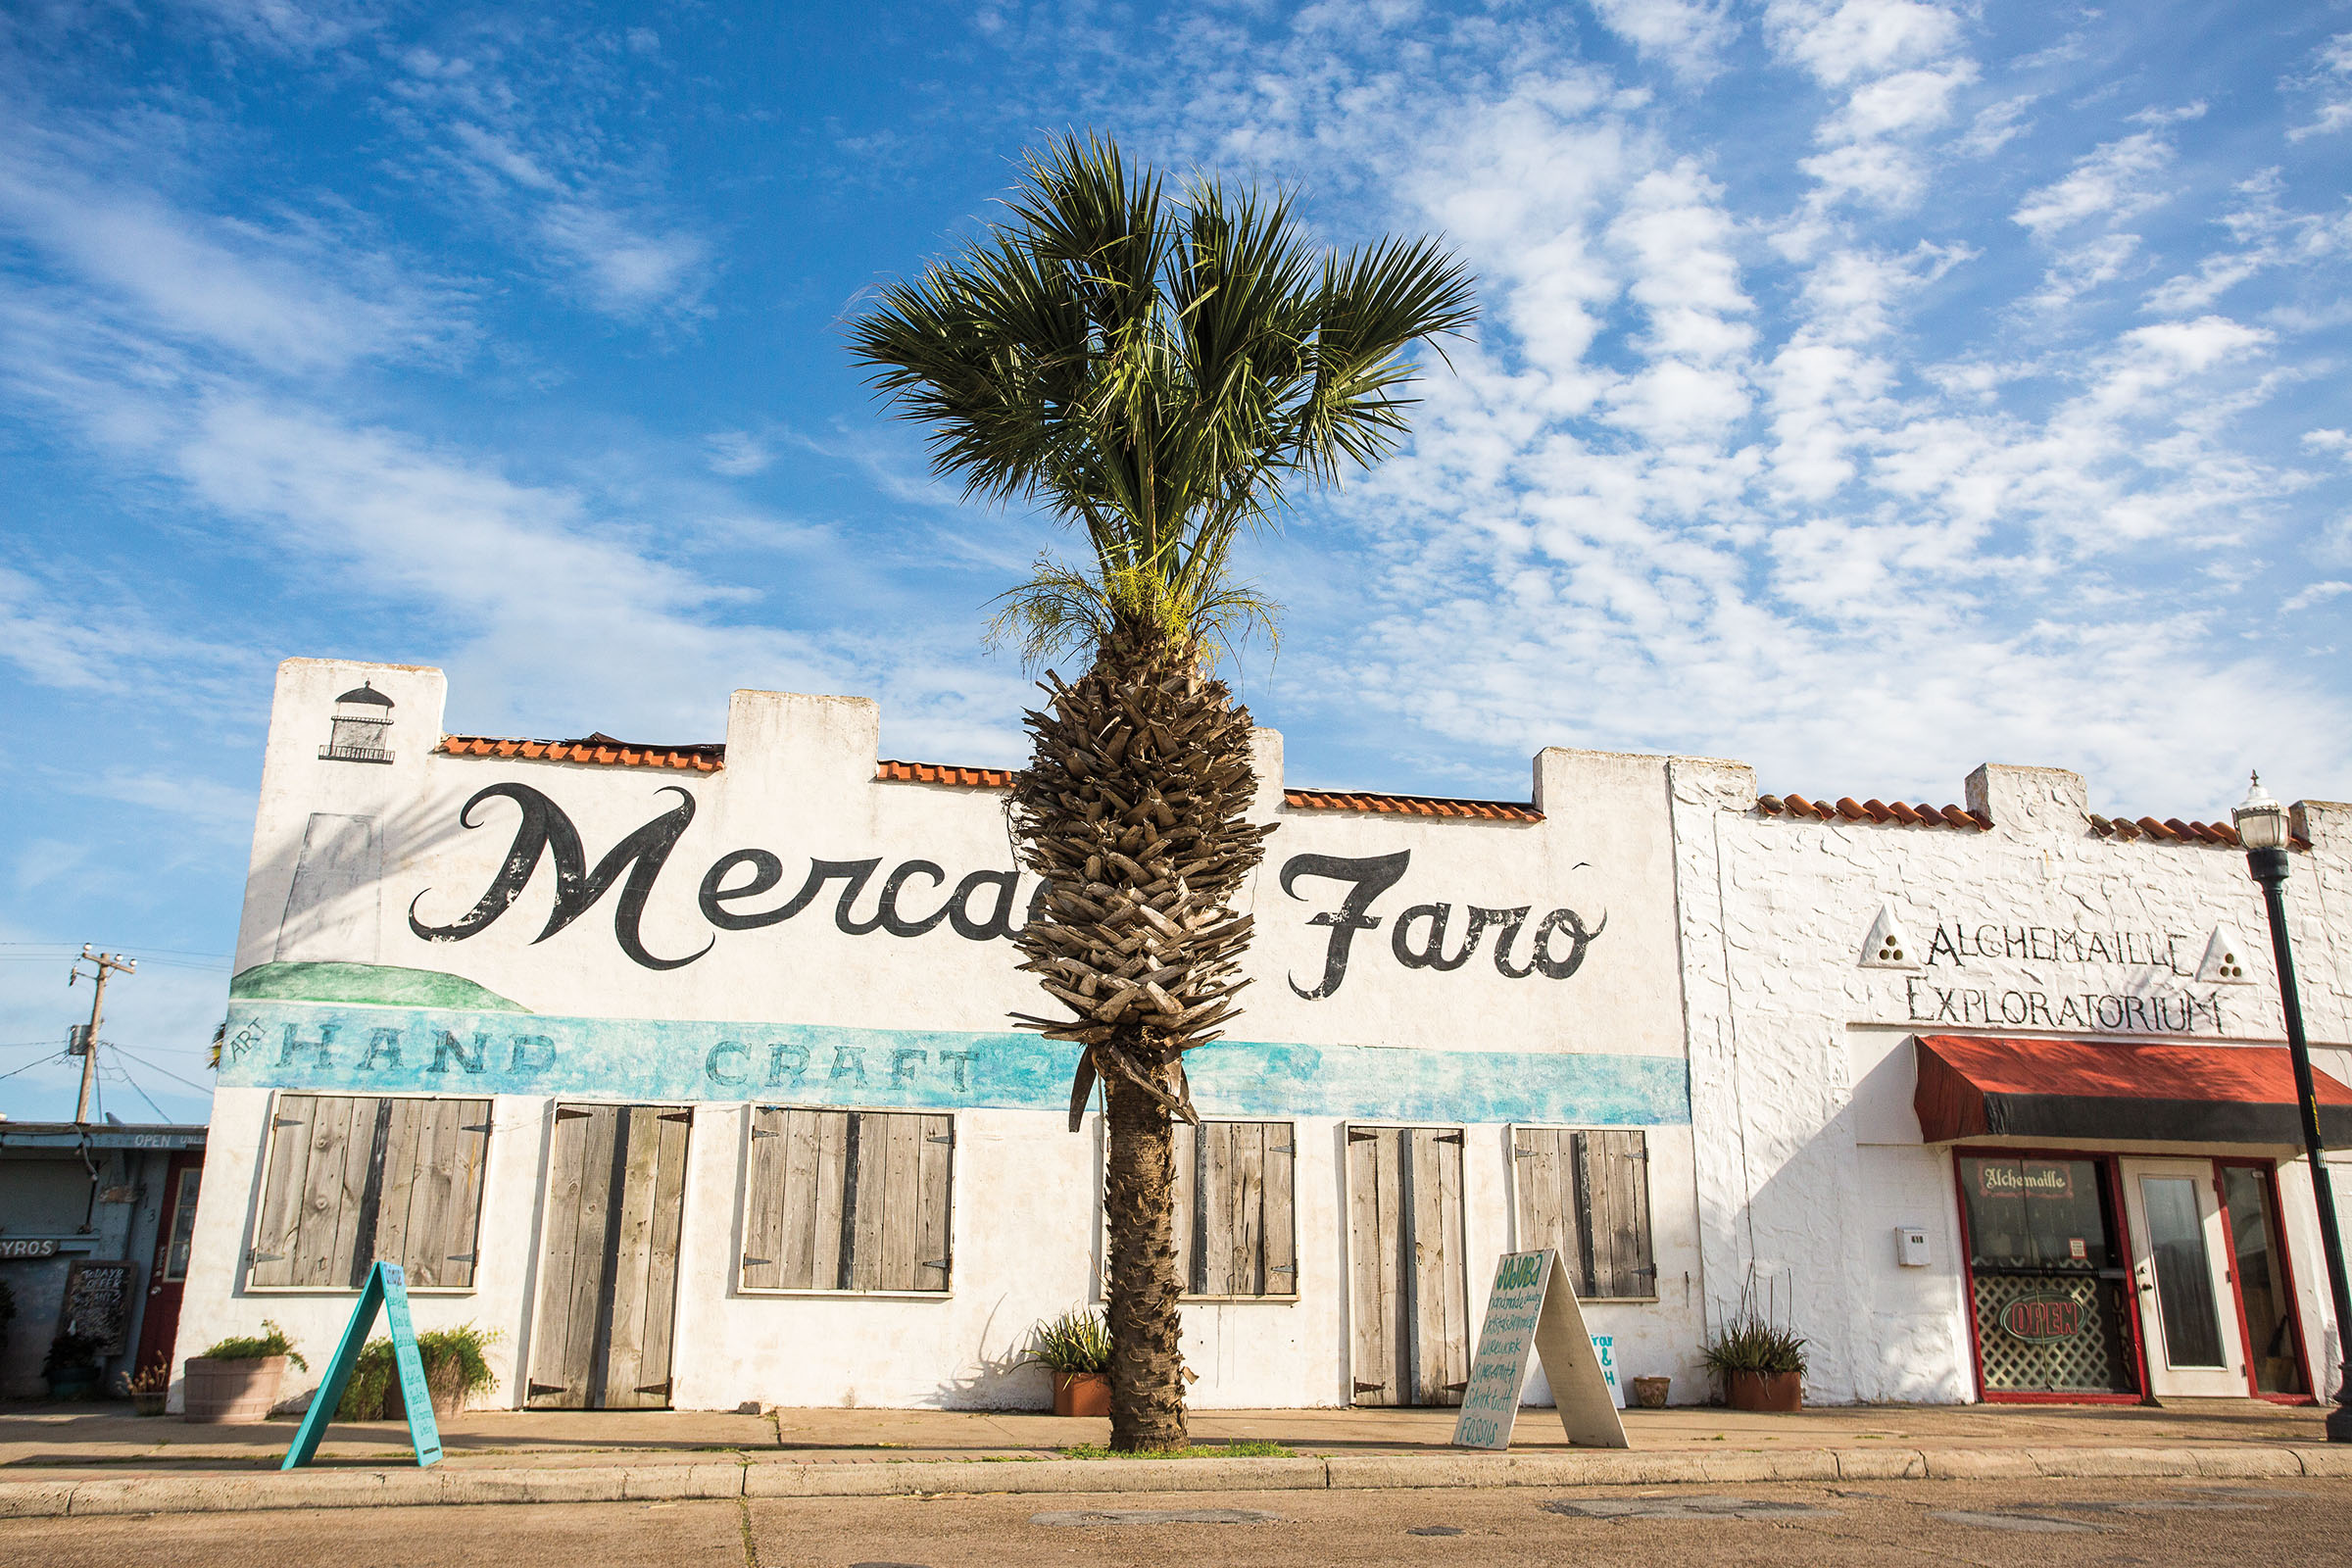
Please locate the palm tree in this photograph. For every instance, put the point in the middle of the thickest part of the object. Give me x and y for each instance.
(1157, 368)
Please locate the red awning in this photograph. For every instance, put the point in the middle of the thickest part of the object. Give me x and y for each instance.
(1973, 1086)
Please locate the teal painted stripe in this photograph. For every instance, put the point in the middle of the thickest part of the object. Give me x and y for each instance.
(333, 1046)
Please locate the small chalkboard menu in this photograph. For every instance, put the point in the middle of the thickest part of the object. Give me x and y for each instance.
(98, 1300)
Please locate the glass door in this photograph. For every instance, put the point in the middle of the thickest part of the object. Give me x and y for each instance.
(2047, 1285)
(2181, 1268)
(2274, 1354)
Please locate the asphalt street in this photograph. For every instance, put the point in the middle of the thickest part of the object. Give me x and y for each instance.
(1995, 1524)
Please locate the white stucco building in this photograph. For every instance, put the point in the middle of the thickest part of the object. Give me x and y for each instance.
(688, 1070)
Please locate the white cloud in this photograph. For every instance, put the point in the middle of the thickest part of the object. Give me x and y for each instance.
(286, 27)
(1995, 126)
(625, 271)
(2318, 593)
(544, 178)
(737, 453)
(1686, 37)
(290, 298)
(2116, 182)
(2329, 83)
(1841, 41)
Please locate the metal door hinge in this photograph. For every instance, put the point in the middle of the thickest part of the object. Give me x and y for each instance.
(1362, 1387)
(463, 1257)
(1447, 1137)
(670, 1115)
(265, 1257)
(1364, 1135)
(476, 1127)
(662, 1388)
(1281, 1148)
(940, 1264)
(935, 1138)
(537, 1389)
(566, 1113)
(1524, 1153)
(765, 1132)
(749, 1261)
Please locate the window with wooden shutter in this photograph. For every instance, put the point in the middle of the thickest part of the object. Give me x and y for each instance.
(1235, 1230)
(354, 1178)
(848, 1200)
(1585, 1193)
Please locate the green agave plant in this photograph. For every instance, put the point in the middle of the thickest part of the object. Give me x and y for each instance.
(1075, 1342)
(1750, 1344)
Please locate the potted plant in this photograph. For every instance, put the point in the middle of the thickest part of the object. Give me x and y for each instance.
(1076, 1348)
(455, 1367)
(72, 1366)
(150, 1387)
(238, 1379)
(1650, 1392)
(1762, 1364)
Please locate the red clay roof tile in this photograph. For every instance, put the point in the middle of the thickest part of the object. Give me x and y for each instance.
(1848, 809)
(970, 778)
(1411, 804)
(600, 748)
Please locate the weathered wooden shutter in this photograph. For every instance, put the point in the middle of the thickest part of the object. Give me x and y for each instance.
(848, 1201)
(1408, 1291)
(278, 1227)
(609, 1259)
(426, 1185)
(1613, 1171)
(1235, 1233)
(1545, 1161)
(579, 1195)
(1587, 1194)
(641, 1304)
(353, 1178)
(312, 1198)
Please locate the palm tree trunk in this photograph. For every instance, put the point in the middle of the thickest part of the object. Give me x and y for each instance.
(1135, 809)
(1146, 1328)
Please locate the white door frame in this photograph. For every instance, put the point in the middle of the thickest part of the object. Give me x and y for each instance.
(2229, 1380)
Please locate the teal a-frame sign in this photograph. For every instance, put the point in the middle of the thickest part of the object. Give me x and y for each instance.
(388, 1288)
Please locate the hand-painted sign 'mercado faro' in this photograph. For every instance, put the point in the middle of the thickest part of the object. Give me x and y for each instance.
(2042, 1319)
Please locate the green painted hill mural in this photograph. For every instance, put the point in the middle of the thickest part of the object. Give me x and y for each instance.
(380, 984)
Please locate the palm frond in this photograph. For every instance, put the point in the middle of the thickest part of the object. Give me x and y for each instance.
(1157, 370)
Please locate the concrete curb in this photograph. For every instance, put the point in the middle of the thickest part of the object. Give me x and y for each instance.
(244, 1492)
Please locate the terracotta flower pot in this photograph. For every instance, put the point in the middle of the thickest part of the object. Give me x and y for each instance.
(1650, 1392)
(1082, 1393)
(1765, 1390)
(242, 1390)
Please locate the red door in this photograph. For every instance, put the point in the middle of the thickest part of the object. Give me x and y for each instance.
(168, 1276)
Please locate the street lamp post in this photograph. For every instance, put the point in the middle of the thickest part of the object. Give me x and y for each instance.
(2262, 828)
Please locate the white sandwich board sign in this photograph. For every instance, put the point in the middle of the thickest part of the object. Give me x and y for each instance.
(1533, 1309)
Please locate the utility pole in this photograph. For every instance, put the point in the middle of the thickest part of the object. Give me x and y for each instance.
(105, 962)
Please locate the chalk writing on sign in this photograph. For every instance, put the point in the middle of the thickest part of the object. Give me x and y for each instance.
(98, 1301)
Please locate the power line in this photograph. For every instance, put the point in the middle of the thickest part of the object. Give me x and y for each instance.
(68, 947)
(151, 1066)
(123, 1073)
(42, 1062)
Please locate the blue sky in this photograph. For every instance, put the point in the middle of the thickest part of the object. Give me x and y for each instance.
(1866, 390)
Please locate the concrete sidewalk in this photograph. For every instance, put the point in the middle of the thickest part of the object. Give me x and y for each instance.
(100, 1459)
